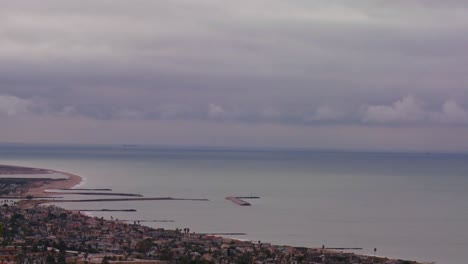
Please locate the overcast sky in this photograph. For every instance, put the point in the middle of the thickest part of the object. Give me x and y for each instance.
(272, 73)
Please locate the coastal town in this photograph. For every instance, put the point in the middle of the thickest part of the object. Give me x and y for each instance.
(49, 234)
(34, 234)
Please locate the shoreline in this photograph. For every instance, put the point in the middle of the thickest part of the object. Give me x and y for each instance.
(72, 181)
(39, 186)
(38, 190)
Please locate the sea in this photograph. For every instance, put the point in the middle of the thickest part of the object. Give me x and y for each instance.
(405, 205)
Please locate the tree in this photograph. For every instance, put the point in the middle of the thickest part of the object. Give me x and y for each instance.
(144, 246)
(61, 258)
(20, 257)
(50, 259)
(63, 216)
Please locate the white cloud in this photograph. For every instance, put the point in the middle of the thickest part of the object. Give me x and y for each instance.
(68, 111)
(412, 110)
(270, 113)
(12, 105)
(407, 109)
(215, 111)
(129, 114)
(451, 113)
(173, 111)
(326, 113)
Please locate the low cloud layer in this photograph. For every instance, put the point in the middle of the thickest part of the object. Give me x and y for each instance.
(295, 64)
(405, 111)
(410, 110)
(11, 105)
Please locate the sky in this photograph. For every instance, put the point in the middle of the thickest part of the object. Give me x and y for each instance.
(324, 74)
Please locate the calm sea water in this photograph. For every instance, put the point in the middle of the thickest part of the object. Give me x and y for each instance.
(412, 206)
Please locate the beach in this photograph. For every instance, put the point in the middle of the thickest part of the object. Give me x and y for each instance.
(37, 183)
(40, 188)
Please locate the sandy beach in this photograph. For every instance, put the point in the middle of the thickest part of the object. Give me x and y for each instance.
(39, 189)
(39, 181)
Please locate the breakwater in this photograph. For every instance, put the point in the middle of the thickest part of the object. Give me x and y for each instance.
(30, 198)
(344, 248)
(122, 199)
(107, 210)
(222, 234)
(149, 221)
(100, 193)
(84, 189)
(239, 200)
